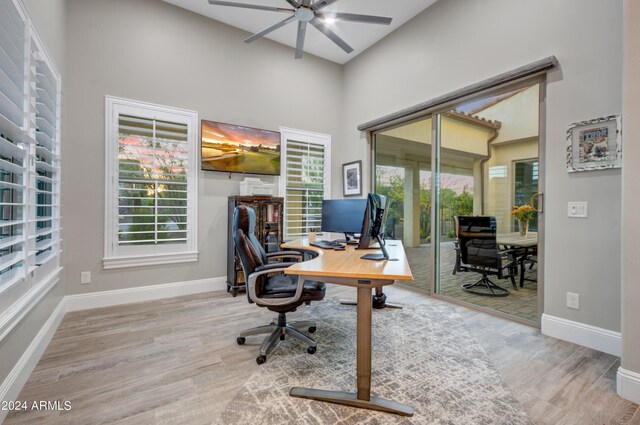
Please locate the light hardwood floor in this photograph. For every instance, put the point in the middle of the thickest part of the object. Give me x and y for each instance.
(175, 361)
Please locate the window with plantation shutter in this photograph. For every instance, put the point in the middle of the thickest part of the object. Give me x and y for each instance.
(305, 181)
(30, 243)
(151, 184)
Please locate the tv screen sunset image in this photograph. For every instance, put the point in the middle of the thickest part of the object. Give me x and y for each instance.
(238, 149)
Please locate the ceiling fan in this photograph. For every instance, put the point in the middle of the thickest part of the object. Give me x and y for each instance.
(308, 11)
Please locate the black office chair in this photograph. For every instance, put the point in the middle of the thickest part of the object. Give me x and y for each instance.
(268, 287)
(479, 253)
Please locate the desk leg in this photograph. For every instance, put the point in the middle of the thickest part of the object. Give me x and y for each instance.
(362, 398)
(363, 344)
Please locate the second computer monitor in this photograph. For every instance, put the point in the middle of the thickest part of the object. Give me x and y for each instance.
(343, 215)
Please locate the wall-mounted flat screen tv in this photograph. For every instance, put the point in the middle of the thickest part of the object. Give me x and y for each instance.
(237, 149)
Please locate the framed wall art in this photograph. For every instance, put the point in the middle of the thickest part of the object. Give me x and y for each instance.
(595, 144)
(352, 179)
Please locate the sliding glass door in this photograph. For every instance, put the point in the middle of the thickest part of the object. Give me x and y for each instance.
(479, 158)
(403, 174)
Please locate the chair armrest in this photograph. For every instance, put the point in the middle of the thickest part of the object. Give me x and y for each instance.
(285, 254)
(271, 268)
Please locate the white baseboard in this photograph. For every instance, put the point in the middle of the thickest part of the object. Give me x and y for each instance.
(143, 293)
(579, 333)
(12, 385)
(628, 384)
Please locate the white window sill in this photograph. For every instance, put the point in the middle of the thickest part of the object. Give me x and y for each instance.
(149, 260)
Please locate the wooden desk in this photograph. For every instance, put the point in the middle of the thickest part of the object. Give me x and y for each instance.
(347, 268)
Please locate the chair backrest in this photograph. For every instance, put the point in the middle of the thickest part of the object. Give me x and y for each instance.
(477, 237)
(248, 247)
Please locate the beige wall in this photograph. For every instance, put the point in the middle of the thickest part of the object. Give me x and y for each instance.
(455, 43)
(631, 192)
(152, 51)
(519, 115)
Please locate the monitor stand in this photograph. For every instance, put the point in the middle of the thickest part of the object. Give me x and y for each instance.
(379, 257)
(349, 239)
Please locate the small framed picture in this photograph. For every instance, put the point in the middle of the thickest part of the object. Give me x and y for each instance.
(595, 144)
(352, 178)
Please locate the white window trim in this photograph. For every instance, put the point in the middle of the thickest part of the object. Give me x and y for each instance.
(120, 257)
(303, 136)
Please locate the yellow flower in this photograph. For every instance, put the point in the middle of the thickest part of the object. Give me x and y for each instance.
(524, 212)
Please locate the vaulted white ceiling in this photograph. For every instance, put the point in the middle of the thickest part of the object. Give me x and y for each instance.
(359, 35)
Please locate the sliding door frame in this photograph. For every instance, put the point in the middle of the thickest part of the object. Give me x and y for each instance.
(435, 113)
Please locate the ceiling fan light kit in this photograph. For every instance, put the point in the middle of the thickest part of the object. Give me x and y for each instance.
(308, 11)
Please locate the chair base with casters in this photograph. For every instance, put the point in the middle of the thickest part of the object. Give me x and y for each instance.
(485, 286)
(278, 330)
(282, 294)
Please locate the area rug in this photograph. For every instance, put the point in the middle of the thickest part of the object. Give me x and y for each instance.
(423, 356)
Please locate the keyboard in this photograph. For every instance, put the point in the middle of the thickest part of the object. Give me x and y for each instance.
(326, 244)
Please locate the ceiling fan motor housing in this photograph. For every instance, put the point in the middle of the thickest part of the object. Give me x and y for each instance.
(304, 14)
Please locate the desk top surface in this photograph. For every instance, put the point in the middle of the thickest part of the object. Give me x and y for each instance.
(348, 263)
(514, 239)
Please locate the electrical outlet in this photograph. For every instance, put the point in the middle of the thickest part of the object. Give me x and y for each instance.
(85, 277)
(577, 209)
(573, 300)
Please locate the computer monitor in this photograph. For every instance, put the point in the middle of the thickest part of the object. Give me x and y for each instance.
(373, 227)
(343, 216)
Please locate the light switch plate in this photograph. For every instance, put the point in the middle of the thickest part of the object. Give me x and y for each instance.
(577, 209)
(573, 300)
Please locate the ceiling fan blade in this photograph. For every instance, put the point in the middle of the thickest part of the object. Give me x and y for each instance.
(293, 3)
(321, 4)
(302, 30)
(331, 35)
(367, 19)
(264, 32)
(250, 6)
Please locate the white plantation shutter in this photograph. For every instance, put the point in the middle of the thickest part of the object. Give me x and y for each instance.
(151, 184)
(44, 239)
(13, 212)
(306, 171)
(13, 149)
(152, 181)
(29, 158)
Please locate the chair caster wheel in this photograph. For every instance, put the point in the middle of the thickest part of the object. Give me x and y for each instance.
(312, 329)
(261, 359)
(240, 340)
(281, 337)
(311, 350)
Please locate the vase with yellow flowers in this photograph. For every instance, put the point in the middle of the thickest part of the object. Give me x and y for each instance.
(524, 214)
